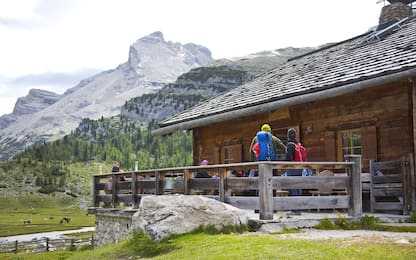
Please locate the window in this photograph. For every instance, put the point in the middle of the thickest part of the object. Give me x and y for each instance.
(361, 141)
(349, 142)
(232, 153)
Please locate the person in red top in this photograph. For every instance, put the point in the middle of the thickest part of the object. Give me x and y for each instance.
(290, 156)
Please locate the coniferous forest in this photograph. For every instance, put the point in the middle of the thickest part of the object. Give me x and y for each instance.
(116, 139)
(48, 166)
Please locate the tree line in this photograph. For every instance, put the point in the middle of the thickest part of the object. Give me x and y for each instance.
(116, 139)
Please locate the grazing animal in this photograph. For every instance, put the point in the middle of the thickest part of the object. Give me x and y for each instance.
(65, 219)
(27, 221)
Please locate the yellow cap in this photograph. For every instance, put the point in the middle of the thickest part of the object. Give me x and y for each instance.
(266, 128)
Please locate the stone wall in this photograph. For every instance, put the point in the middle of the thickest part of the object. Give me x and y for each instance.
(111, 225)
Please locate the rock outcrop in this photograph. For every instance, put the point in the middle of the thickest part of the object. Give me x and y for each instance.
(159, 216)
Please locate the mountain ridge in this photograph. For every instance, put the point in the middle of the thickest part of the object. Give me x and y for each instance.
(104, 93)
(140, 93)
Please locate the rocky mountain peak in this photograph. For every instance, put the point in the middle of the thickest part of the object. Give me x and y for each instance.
(152, 63)
(155, 37)
(152, 57)
(35, 101)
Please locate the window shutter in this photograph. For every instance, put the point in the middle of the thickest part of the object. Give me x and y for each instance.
(330, 146)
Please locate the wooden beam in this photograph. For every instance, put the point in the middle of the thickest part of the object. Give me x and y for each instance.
(134, 198)
(265, 191)
(95, 191)
(306, 202)
(356, 208)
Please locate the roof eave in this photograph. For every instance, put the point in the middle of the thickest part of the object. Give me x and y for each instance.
(266, 107)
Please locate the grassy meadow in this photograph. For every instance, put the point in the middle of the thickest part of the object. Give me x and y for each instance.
(45, 213)
(235, 246)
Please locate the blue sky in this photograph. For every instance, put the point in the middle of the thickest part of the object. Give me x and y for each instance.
(52, 45)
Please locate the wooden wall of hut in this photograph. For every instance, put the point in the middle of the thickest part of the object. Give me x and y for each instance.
(383, 114)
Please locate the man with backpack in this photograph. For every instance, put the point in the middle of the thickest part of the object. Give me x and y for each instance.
(265, 146)
(295, 152)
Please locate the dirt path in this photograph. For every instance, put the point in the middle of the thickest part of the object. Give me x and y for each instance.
(380, 236)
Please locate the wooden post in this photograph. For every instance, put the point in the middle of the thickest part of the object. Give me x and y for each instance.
(47, 244)
(412, 184)
(356, 208)
(114, 190)
(95, 191)
(92, 241)
(158, 183)
(405, 184)
(15, 246)
(186, 176)
(265, 191)
(372, 198)
(135, 200)
(222, 184)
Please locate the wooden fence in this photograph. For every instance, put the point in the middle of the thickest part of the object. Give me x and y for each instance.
(392, 185)
(45, 245)
(261, 193)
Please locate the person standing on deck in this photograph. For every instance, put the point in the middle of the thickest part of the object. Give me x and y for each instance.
(291, 156)
(265, 141)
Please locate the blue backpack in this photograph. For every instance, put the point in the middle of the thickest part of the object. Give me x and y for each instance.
(265, 141)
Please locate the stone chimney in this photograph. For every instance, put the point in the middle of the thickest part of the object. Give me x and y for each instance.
(396, 10)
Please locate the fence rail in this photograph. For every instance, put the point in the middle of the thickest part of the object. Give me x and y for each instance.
(262, 192)
(44, 245)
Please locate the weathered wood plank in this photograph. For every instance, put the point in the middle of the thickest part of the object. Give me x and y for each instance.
(395, 192)
(104, 198)
(388, 186)
(172, 184)
(135, 199)
(243, 183)
(203, 184)
(391, 178)
(311, 182)
(146, 184)
(389, 165)
(125, 198)
(99, 186)
(243, 202)
(356, 208)
(265, 191)
(388, 206)
(124, 185)
(305, 202)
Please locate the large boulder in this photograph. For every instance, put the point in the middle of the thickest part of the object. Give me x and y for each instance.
(159, 216)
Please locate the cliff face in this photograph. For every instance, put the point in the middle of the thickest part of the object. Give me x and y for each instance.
(35, 101)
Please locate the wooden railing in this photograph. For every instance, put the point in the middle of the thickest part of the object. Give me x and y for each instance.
(243, 192)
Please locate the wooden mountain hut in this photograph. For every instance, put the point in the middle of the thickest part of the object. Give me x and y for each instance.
(357, 96)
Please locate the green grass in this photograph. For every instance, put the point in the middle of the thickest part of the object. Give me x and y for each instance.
(235, 246)
(365, 222)
(45, 213)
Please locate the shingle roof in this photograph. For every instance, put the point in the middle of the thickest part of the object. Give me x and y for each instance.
(357, 59)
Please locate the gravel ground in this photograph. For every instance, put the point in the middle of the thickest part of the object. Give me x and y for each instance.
(367, 235)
